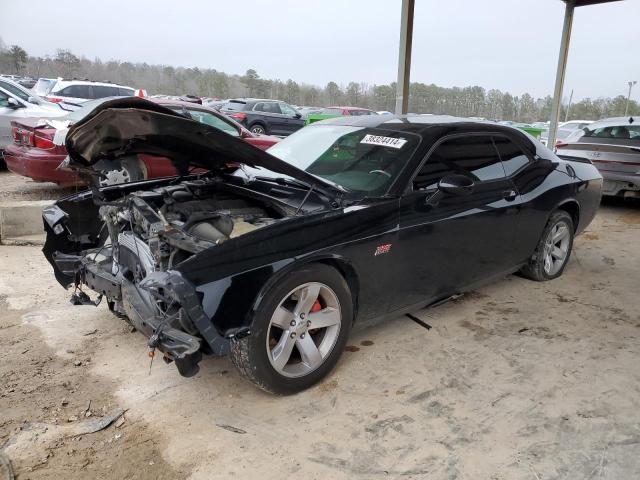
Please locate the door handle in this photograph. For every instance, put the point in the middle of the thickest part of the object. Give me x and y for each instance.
(509, 195)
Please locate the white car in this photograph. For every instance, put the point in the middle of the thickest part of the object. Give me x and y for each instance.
(17, 102)
(575, 124)
(80, 91)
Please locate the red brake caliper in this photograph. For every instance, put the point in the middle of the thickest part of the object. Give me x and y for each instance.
(316, 306)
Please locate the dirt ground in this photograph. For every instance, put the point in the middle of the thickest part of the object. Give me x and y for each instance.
(519, 380)
(17, 187)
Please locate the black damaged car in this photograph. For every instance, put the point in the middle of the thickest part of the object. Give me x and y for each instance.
(271, 257)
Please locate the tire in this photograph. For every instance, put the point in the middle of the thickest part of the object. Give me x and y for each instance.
(544, 264)
(124, 170)
(258, 129)
(255, 355)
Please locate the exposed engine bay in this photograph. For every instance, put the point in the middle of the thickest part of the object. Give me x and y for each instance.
(155, 230)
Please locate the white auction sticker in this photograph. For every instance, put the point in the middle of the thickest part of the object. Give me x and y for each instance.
(384, 141)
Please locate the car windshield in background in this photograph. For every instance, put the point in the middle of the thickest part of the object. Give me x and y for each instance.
(362, 160)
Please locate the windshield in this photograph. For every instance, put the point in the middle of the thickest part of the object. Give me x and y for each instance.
(361, 160)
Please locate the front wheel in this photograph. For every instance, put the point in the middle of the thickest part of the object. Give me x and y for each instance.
(554, 249)
(299, 331)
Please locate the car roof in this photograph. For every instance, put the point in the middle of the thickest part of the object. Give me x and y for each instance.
(403, 122)
(247, 100)
(66, 82)
(615, 122)
(184, 103)
(351, 108)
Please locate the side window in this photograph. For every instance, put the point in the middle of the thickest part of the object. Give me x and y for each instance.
(77, 91)
(472, 155)
(272, 107)
(4, 99)
(15, 90)
(259, 107)
(286, 109)
(512, 156)
(212, 120)
(102, 91)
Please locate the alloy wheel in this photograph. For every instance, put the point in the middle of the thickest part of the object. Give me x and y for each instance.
(303, 329)
(556, 248)
(115, 176)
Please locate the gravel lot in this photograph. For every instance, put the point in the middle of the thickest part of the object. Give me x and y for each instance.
(519, 380)
(17, 187)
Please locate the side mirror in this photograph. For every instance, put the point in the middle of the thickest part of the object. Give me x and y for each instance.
(456, 184)
(297, 116)
(14, 104)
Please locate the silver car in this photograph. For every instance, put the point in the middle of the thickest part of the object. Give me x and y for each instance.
(17, 102)
(613, 146)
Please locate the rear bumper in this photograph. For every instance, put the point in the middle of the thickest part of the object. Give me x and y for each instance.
(615, 184)
(39, 165)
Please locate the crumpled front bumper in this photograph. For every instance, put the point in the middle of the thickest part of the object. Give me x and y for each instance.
(138, 301)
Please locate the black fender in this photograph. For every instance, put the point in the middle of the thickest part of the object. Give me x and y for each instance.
(231, 302)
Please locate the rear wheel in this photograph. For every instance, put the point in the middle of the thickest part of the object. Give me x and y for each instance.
(298, 332)
(258, 129)
(554, 249)
(124, 170)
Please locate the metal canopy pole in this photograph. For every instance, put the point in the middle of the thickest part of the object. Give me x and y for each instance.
(562, 66)
(404, 57)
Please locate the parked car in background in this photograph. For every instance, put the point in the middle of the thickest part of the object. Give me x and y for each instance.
(333, 112)
(349, 220)
(26, 82)
(215, 104)
(561, 135)
(264, 116)
(613, 146)
(33, 152)
(16, 102)
(542, 125)
(80, 91)
(306, 111)
(575, 124)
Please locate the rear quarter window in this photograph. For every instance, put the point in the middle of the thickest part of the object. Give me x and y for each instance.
(235, 106)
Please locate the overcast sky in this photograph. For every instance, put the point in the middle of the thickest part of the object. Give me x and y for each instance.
(511, 45)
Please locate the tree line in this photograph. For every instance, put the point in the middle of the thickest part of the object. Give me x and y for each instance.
(473, 101)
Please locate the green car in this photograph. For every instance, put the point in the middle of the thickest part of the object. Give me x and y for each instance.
(333, 112)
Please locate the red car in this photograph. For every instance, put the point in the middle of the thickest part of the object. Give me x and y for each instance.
(33, 153)
(347, 111)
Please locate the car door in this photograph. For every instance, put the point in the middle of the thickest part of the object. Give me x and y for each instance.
(279, 125)
(7, 114)
(294, 120)
(449, 242)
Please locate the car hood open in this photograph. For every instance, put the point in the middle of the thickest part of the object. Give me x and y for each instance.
(129, 126)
